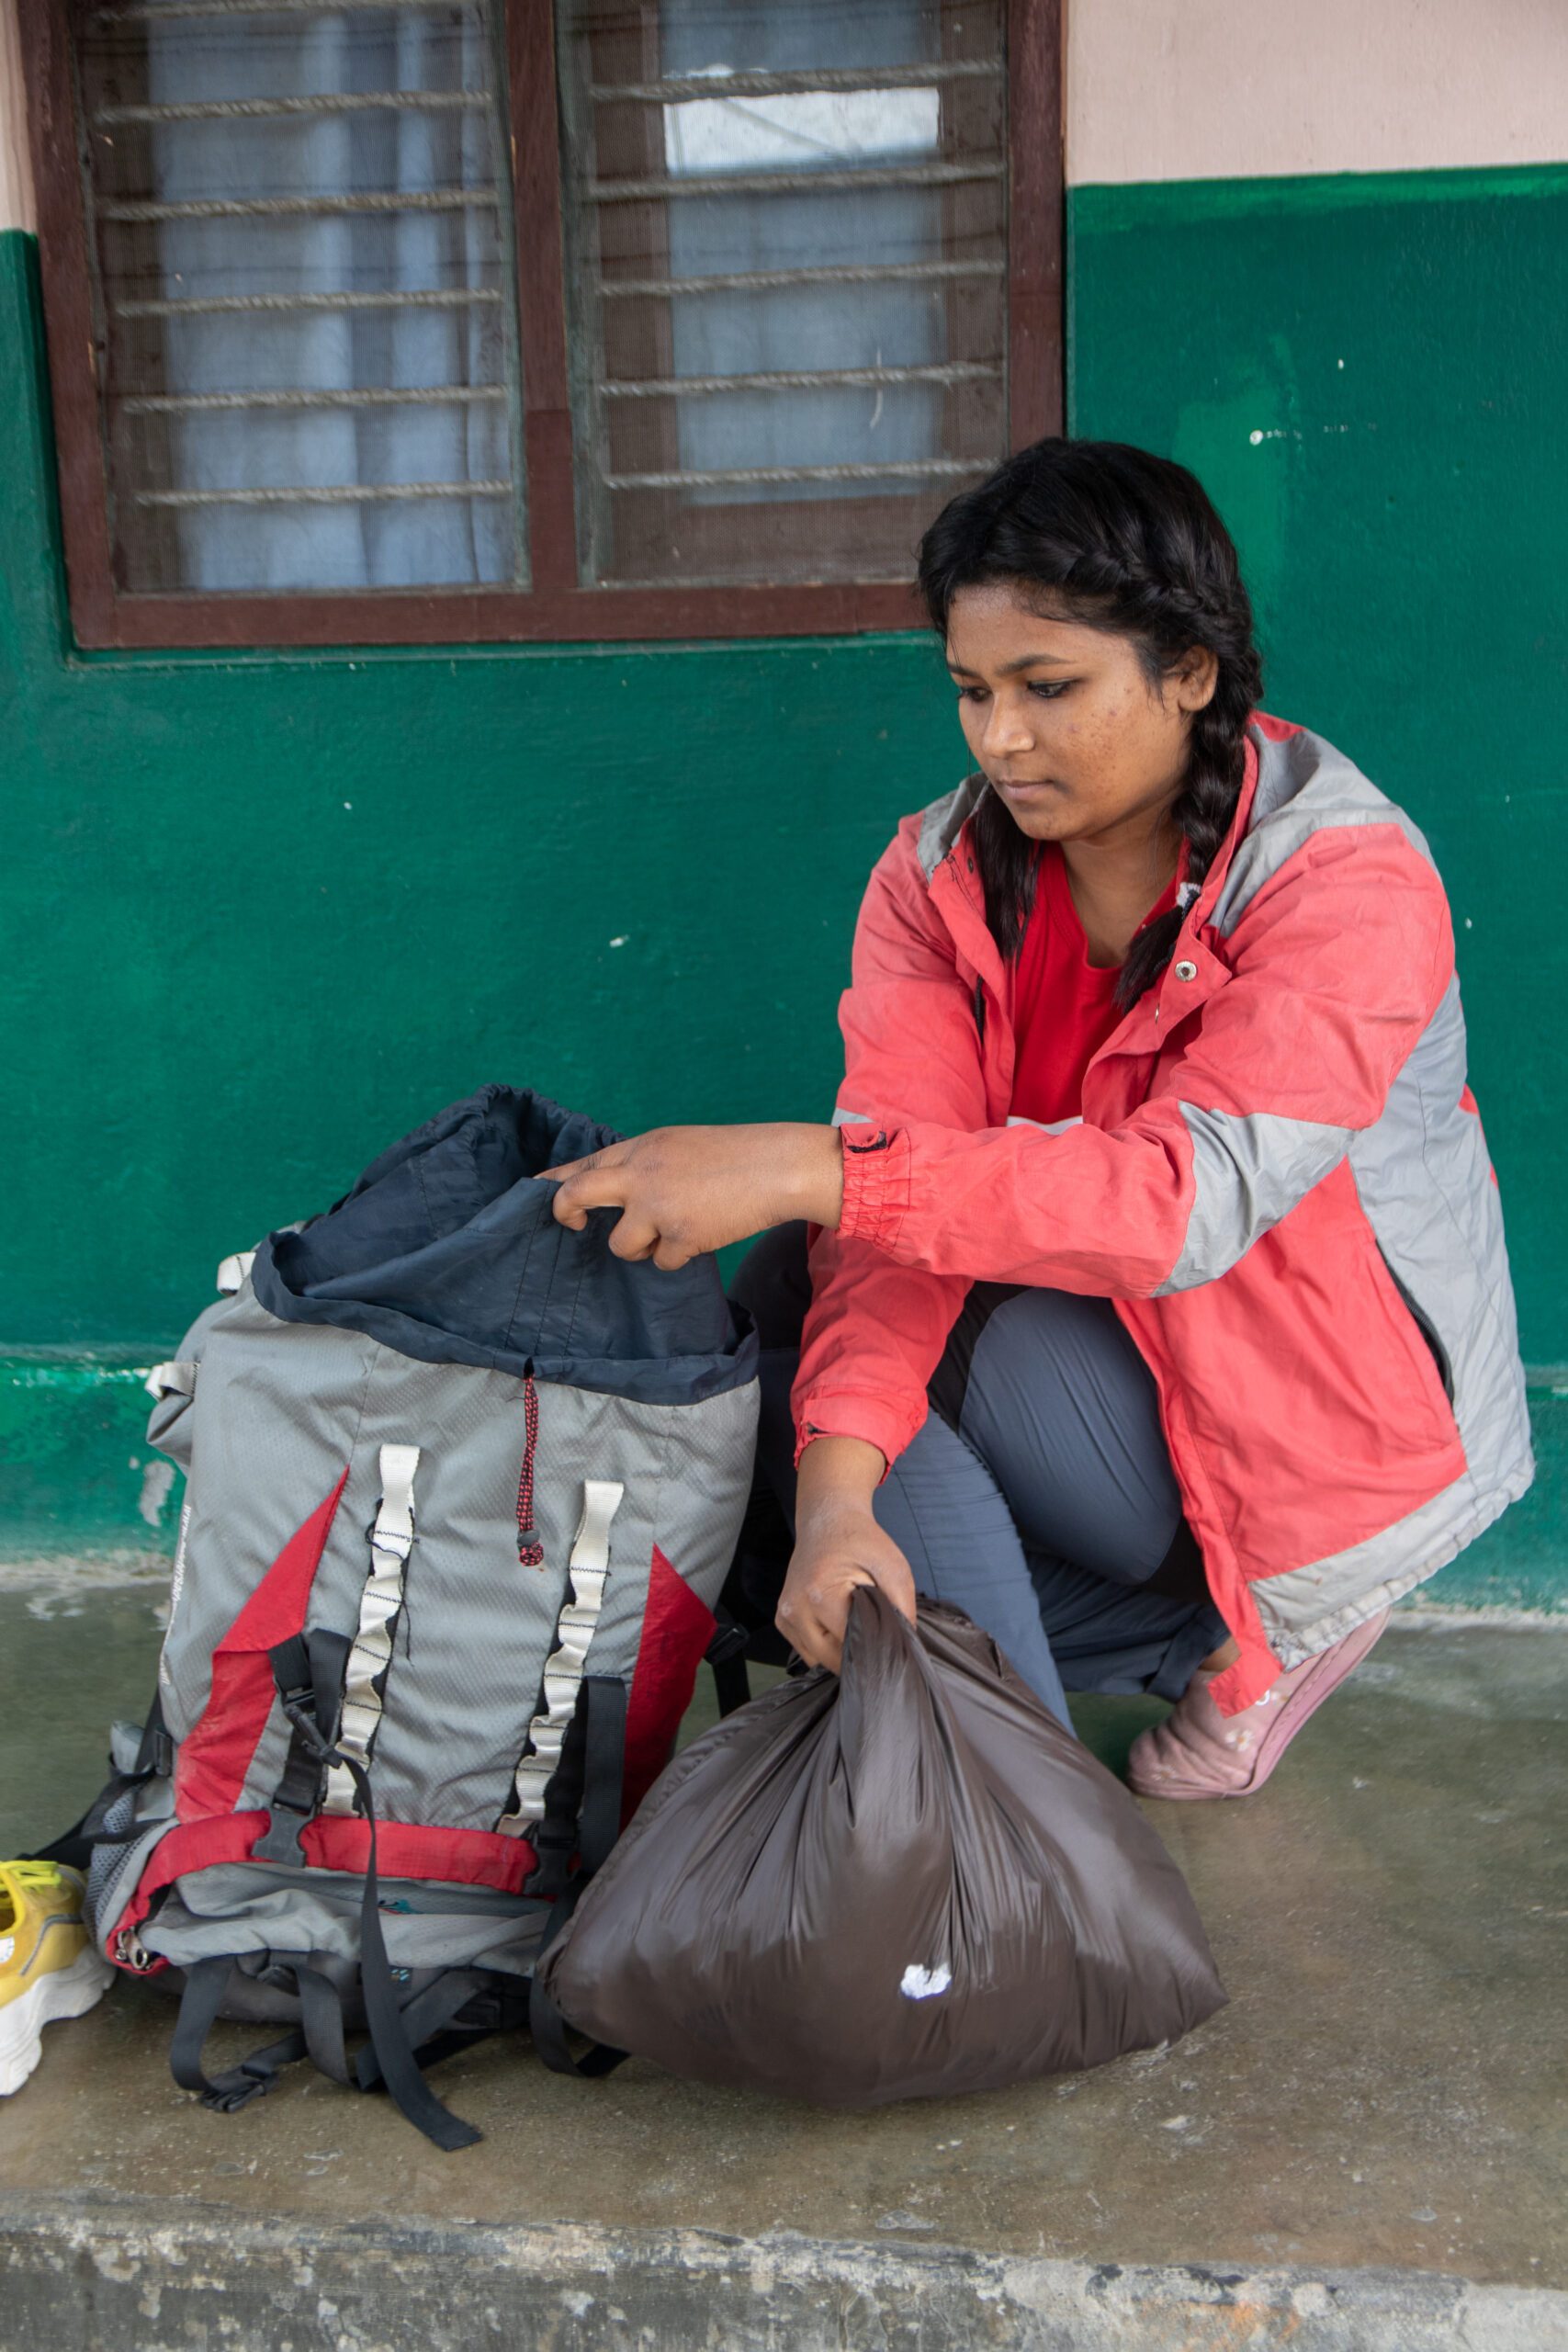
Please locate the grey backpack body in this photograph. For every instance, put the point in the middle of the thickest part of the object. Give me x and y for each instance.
(463, 1487)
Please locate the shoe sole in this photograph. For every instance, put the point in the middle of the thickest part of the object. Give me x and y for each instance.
(60, 1993)
(1298, 1712)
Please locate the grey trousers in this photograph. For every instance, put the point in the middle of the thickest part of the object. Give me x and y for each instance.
(1038, 1496)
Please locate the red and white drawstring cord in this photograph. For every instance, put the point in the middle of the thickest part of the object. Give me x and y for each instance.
(530, 1551)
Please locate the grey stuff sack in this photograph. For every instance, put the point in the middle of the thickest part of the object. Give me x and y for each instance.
(463, 1487)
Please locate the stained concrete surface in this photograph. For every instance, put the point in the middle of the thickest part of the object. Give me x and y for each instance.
(1385, 2089)
(100, 2278)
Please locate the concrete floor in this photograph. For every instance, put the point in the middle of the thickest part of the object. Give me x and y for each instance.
(1385, 2089)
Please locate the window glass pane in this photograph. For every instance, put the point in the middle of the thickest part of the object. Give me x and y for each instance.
(787, 253)
(302, 223)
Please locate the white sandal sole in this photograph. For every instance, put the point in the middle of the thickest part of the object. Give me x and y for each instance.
(61, 1993)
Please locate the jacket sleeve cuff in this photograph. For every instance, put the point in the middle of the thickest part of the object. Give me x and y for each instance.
(859, 1413)
(876, 1186)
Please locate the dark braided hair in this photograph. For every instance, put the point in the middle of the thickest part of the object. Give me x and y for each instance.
(1116, 540)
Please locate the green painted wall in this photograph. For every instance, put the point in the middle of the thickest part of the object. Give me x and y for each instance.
(263, 913)
(77, 1477)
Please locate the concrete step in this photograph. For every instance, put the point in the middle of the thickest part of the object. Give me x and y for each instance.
(97, 2275)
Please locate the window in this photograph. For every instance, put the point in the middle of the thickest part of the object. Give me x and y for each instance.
(400, 321)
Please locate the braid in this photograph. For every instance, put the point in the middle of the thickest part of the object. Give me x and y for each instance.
(1205, 810)
(1128, 542)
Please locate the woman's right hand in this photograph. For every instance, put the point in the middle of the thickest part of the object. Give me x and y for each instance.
(838, 1544)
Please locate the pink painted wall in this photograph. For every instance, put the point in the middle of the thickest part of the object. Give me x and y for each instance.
(1246, 89)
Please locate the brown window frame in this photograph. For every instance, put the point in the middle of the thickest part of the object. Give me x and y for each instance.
(555, 609)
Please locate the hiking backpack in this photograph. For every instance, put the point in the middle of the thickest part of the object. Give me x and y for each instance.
(462, 1491)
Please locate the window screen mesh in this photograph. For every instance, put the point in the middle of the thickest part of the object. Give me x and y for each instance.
(299, 221)
(787, 252)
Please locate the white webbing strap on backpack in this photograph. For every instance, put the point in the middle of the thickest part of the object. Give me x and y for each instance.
(234, 1273)
(391, 1540)
(588, 1570)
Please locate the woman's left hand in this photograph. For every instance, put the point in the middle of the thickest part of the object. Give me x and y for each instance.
(684, 1190)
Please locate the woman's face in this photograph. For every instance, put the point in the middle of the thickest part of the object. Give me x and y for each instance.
(1064, 721)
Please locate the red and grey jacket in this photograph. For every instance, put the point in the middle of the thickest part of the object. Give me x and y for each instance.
(1279, 1177)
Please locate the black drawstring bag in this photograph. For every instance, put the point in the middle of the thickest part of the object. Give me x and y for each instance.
(903, 1881)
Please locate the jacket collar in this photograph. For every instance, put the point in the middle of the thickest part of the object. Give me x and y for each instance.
(944, 820)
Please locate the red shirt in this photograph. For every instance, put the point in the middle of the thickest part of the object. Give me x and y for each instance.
(1064, 1006)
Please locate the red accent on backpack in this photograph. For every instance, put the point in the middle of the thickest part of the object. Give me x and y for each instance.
(216, 1755)
(676, 1629)
(404, 1850)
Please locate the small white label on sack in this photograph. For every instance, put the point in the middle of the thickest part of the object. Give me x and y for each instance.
(8, 1946)
(919, 1983)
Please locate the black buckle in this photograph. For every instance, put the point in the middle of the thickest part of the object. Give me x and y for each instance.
(294, 1800)
(729, 1642)
(231, 2092)
(290, 1664)
(553, 1850)
(300, 1706)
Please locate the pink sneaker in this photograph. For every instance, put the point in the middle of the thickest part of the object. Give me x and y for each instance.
(1198, 1752)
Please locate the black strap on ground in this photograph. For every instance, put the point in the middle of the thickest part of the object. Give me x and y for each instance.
(727, 1655)
(549, 2029)
(600, 1726)
(464, 2038)
(155, 1761)
(207, 1981)
(321, 2034)
(389, 2034)
(425, 2020)
(254, 2075)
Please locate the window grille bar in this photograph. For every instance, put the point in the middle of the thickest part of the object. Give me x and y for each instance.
(792, 182)
(163, 12)
(324, 494)
(368, 395)
(251, 208)
(345, 102)
(791, 380)
(748, 281)
(748, 84)
(181, 306)
(728, 579)
(720, 478)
